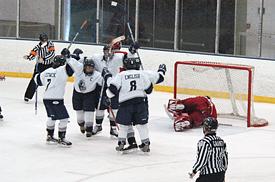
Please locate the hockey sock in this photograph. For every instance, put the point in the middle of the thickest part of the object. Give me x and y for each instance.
(50, 124)
(62, 127)
(99, 116)
(122, 133)
(50, 132)
(80, 117)
(143, 132)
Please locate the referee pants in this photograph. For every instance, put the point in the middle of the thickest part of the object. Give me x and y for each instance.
(32, 86)
(216, 177)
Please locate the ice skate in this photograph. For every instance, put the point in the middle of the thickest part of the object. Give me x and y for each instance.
(97, 129)
(130, 149)
(145, 147)
(120, 146)
(64, 142)
(113, 131)
(51, 140)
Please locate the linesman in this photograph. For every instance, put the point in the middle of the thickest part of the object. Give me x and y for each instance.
(212, 157)
(44, 52)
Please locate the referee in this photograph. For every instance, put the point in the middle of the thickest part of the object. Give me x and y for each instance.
(212, 158)
(45, 53)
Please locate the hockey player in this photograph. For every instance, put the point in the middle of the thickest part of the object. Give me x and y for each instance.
(132, 86)
(191, 112)
(87, 85)
(44, 52)
(112, 61)
(155, 78)
(212, 157)
(55, 80)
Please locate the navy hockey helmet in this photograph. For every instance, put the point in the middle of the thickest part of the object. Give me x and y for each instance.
(131, 63)
(43, 37)
(210, 124)
(58, 60)
(88, 66)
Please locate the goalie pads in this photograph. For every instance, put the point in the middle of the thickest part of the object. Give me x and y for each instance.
(182, 122)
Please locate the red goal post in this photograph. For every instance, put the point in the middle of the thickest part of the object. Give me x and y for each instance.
(231, 82)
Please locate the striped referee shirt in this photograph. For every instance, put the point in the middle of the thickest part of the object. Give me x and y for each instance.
(212, 156)
(47, 52)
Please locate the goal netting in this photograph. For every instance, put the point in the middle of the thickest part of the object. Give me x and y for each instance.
(231, 83)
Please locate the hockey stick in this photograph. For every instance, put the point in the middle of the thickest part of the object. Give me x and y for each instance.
(77, 33)
(36, 94)
(115, 40)
(115, 4)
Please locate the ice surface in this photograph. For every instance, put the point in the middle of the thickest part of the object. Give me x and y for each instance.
(24, 156)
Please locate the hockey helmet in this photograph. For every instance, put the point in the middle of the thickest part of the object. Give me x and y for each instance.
(210, 124)
(58, 60)
(131, 63)
(88, 66)
(43, 37)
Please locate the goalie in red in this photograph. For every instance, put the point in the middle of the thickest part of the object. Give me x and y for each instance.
(190, 112)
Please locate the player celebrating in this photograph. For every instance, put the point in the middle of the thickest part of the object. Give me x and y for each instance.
(87, 85)
(155, 78)
(44, 52)
(190, 112)
(112, 61)
(55, 80)
(132, 86)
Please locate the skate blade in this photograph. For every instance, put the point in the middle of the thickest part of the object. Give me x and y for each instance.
(51, 143)
(64, 146)
(130, 151)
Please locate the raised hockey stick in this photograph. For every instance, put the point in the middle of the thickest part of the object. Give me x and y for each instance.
(115, 40)
(115, 4)
(77, 33)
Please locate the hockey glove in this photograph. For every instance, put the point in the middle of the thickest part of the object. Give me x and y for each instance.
(106, 74)
(162, 68)
(66, 53)
(134, 47)
(106, 102)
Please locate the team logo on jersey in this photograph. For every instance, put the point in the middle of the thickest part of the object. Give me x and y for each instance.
(81, 85)
(132, 76)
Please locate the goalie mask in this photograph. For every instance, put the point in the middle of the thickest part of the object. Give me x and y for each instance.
(58, 60)
(88, 66)
(131, 63)
(182, 122)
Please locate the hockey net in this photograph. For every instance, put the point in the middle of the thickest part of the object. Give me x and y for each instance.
(232, 84)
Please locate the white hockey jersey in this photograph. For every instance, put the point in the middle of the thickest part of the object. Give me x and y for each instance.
(55, 81)
(113, 64)
(84, 83)
(131, 84)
